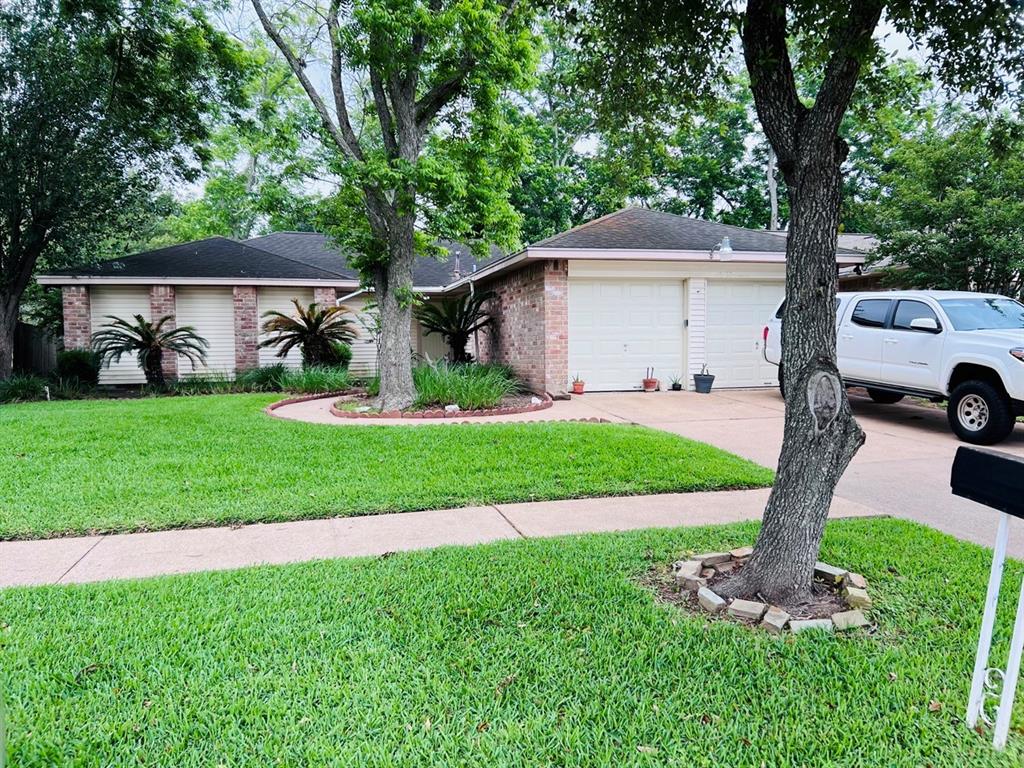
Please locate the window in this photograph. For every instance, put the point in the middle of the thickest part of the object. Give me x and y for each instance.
(782, 307)
(906, 311)
(984, 314)
(871, 312)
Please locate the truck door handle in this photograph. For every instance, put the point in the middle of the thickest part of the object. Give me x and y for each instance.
(847, 336)
(892, 341)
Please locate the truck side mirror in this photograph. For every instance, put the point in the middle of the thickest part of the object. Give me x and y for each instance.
(925, 324)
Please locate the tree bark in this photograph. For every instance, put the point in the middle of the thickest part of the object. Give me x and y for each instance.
(393, 286)
(820, 435)
(8, 324)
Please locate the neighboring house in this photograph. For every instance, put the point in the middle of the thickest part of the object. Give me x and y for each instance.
(606, 300)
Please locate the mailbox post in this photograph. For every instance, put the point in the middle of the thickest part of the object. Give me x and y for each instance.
(997, 481)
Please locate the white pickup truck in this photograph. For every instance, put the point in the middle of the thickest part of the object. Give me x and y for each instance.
(965, 348)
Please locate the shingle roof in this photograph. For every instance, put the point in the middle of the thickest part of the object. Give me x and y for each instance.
(316, 249)
(642, 229)
(278, 256)
(214, 257)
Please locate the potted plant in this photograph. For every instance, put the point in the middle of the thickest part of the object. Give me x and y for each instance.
(677, 384)
(578, 385)
(702, 381)
(650, 383)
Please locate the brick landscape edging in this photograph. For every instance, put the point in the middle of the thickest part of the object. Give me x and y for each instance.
(303, 399)
(440, 413)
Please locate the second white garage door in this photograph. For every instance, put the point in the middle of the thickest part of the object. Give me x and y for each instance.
(618, 328)
(211, 312)
(737, 311)
(280, 300)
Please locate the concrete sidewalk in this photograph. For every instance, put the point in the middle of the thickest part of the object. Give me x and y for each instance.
(136, 555)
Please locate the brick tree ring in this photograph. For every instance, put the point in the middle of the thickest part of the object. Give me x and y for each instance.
(541, 402)
(841, 600)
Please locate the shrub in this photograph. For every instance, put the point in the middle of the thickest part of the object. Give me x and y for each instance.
(315, 379)
(149, 342)
(21, 388)
(470, 386)
(269, 378)
(71, 388)
(315, 329)
(202, 384)
(342, 354)
(82, 365)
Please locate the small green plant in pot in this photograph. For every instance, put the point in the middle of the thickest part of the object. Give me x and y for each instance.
(578, 385)
(702, 381)
(677, 384)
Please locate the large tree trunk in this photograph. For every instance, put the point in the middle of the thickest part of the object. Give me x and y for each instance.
(821, 435)
(8, 323)
(393, 285)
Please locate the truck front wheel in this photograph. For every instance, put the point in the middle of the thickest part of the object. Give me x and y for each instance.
(980, 413)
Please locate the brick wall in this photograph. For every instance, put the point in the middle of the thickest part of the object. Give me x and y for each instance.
(247, 328)
(161, 305)
(77, 318)
(325, 296)
(531, 331)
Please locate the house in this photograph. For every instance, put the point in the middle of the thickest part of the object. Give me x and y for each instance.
(606, 300)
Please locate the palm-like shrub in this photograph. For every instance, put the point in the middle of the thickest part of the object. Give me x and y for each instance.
(320, 332)
(456, 320)
(149, 342)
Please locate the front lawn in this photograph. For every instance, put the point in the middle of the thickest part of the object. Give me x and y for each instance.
(526, 653)
(118, 465)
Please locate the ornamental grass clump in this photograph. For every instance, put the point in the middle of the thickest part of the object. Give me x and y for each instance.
(471, 386)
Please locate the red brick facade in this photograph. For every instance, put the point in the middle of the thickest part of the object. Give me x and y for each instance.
(161, 305)
(531, 325)
(247, 328)
(77, 318)
(325, 296)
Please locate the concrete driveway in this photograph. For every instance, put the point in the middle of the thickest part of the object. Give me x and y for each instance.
(902, 470)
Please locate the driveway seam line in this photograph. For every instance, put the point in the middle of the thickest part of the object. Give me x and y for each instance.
(79, 560)
(511, 524)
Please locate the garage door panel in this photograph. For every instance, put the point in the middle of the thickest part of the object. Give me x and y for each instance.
(638, 324)
(123, 302)
(280, 300)
(736, 314)
(210, 311)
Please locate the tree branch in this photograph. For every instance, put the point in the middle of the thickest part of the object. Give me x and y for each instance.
(844, 65)
(771, 75)
(340, 104)
(298, 69)
(387, 122)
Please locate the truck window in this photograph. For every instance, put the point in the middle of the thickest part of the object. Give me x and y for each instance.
(782, 308)
(911, 310)
(871, 313)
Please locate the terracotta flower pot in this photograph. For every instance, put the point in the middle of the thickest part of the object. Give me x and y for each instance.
(650, 385)
(578, 386)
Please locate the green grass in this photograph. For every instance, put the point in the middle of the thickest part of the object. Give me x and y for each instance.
(74, 467)
(537, 653)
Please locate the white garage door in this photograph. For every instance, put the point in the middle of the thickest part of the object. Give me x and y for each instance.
(618, 329)
(211, 312)
(737, 311)
(280, 300)
(124, 303)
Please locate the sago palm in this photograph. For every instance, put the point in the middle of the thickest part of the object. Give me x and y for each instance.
(148, 341)
(316, 330)
(456, 320)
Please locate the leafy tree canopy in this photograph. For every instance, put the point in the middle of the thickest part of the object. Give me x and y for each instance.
(953, 213)
(98, 100)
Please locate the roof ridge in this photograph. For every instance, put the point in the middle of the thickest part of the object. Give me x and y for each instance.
(330, 272)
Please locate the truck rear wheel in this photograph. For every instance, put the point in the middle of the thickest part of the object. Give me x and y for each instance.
(980, 413)
(884, 397)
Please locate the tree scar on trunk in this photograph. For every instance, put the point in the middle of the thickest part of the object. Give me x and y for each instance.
(824, 395)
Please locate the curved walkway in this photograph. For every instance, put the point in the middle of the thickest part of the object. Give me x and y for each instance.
(318, 411)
